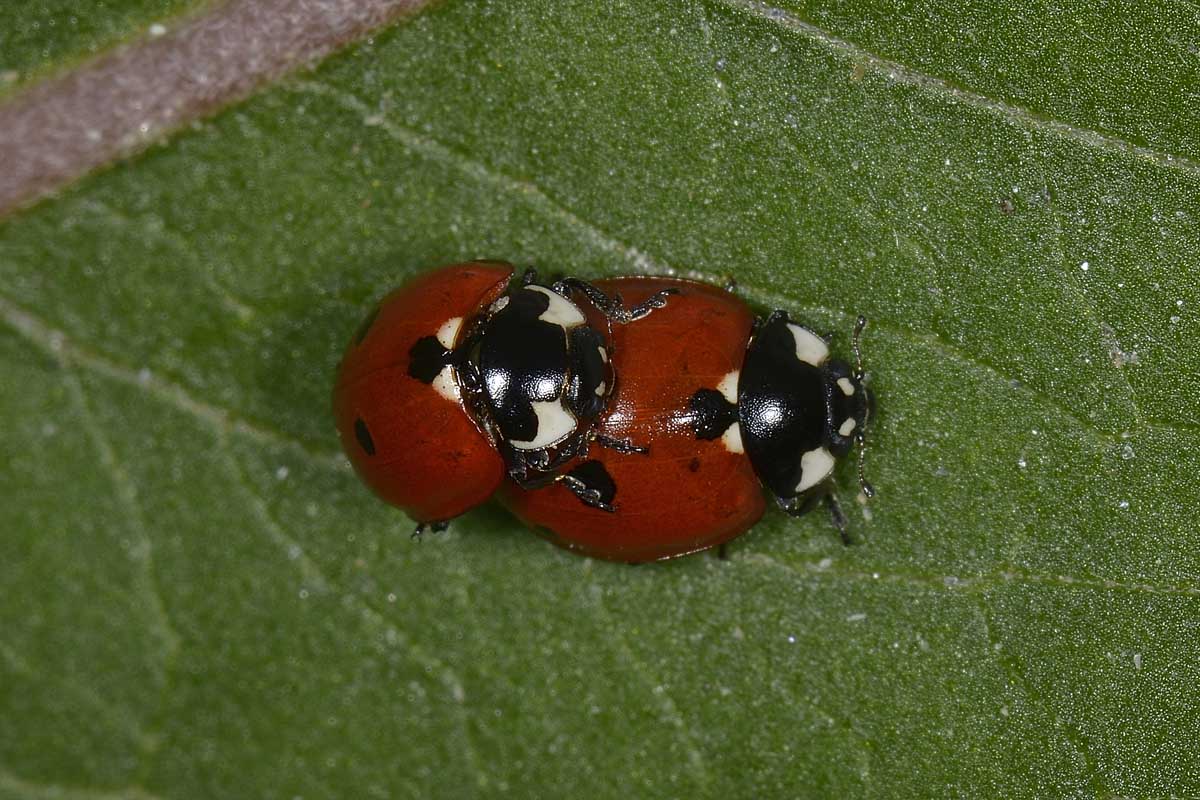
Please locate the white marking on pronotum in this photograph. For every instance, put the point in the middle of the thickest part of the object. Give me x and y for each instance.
(815, 466)
(555, 423)
(601, 389)
(728, 387)
(445, 383)
(810, 348)
(846, 386)
(848, 426)
(447, 335)
(603, 354)
(732, 439)
(561, 311)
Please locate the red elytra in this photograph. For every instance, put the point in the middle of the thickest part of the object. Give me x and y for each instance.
(413, 446)
(688, 494)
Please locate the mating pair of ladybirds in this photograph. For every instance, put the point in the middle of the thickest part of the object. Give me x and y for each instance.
(632, 419)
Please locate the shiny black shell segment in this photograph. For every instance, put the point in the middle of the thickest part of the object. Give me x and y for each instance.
(587, 389)
(783, 406)
(522, 360)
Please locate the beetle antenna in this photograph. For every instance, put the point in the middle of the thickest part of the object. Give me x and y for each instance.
(861, 438)
(863, 483)
(859, 324)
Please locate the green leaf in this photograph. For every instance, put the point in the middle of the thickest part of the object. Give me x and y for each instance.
(201, 600)
(50, 34)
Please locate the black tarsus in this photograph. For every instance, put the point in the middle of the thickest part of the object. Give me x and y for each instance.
(589, 497)
(539, 461)
(611, 305)
(624, 446)
(434, 527)
(777, 315)
(798, 506)
(656, 300)
(520, 476)
(592, 484)
(838, 517)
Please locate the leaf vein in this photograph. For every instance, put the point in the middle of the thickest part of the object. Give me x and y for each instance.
(36, 790)
(936, 341)
(668, 707)
(311, 572)
(157, 227)
(902, 73)
(127, 494)
(644, 263)
(972, 584)
(58, 345)
(1089, 306)
(641, 262)
(83, 692)
(721, 85)
(1018, 677)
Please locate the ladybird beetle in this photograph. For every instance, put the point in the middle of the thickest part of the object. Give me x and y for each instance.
(463, 376)
(727, 404)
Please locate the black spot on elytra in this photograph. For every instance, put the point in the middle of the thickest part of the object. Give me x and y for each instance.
(694, 465)
(711, 413)
(364, 437)
(365, 327)
(427, 358)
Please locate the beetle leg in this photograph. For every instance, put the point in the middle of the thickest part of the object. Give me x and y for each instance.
(611, 305)
(588, 496)
(797, 506)
(592, 484)
(434, 527)
(521, 478)
(576, 447)
(656, 300)
(602, 301)
(838, 516)
(568, 451)
(468, 376)
(520, 466)
(470, 381)
(864, 485)
(625, 446)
